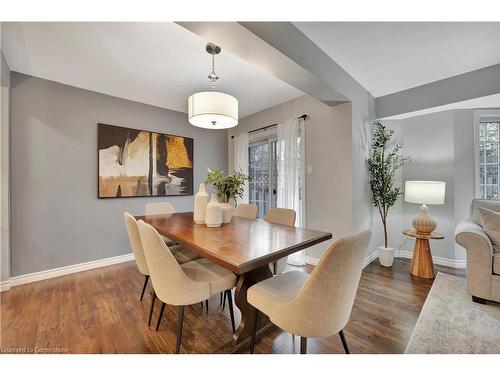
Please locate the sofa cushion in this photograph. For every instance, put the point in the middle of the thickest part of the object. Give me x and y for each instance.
(496, 263)
(475, 217)
(490, 221)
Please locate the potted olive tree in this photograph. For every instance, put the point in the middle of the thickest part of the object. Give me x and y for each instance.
(385, 159)
(228, 188)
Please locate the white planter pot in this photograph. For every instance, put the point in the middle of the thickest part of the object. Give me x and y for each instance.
(385, 255)
(227, 212)
(213, 214)
(201, 200)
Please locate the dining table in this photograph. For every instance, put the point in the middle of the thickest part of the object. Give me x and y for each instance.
(244, 246)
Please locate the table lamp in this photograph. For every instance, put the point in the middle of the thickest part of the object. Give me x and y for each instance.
(424, 193)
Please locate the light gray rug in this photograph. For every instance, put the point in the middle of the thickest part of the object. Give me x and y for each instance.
(451, 323)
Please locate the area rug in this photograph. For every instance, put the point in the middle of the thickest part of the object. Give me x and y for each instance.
(451, 323)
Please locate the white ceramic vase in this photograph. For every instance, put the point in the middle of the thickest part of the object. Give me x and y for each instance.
(385, 256)
(201, 200)
(227, 212)
(213, 214)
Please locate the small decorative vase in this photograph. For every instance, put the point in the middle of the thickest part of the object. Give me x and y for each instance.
(227, 212)
(213, 214)
(385, 256)
(201, 200)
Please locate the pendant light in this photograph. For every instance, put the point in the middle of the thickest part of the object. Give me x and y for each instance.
(212, 109)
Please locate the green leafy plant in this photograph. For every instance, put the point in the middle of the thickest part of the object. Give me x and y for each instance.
(228, 187)
(382, 165)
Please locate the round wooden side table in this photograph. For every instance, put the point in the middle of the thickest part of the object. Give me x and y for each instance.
(421, 263)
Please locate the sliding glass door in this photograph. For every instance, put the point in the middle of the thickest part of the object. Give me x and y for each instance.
(262, 169)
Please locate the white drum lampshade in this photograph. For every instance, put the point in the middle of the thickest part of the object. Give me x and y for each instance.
(212, 110)
(424, 192)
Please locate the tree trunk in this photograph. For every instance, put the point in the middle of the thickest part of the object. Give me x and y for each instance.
(384, 222)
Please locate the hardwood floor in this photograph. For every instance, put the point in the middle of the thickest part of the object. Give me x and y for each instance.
(99, 311)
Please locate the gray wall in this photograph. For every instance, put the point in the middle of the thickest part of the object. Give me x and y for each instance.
(328, 151)
(4, 166)
(56, 218)
(429, 142)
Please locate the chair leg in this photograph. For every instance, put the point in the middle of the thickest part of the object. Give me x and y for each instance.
(180, 322)
(275, 268)
(254, 331)
(480, 300)
(201, 303)
(146, 279)
(231, 312)
(344, 343)
(220, 302)
(224, 301)
(152, 307)
(161, 315)
(206, 305)
(303, 345)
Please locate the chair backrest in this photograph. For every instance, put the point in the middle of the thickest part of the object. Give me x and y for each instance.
(283, 216)
(483, 203)
(135, 242)
(170, 283)
(325, 302)
(159, 208)
(248, 211)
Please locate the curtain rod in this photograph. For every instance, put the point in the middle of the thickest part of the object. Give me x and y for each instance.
(303, 117)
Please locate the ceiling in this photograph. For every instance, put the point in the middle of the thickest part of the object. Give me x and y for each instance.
(154, 63)
(387, 57)
(163, 63)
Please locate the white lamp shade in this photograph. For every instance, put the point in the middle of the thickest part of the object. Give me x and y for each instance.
(212, 110)
(425, 192)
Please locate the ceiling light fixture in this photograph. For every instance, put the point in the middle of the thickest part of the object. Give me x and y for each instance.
(213, 109)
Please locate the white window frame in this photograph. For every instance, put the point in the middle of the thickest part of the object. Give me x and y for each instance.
(480, 116)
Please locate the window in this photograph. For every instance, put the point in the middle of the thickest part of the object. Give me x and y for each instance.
(262, 169)
(489, 159)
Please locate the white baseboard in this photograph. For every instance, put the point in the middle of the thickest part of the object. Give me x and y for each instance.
(61, 271)
(403, 254)
(437, 260)
(370, 258)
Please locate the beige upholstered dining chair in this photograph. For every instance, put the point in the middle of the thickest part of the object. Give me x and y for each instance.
(282, 216)
(181, 254)
(247, 211)
(160, 208)
(185, 284)
(318, 305)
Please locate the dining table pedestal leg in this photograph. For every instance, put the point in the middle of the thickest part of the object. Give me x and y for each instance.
(244, 282)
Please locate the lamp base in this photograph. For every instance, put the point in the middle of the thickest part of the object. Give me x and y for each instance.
(423, 223)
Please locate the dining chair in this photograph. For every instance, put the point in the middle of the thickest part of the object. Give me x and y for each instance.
(185, 284)
(247, 211)
(160, 208)
(282, 216)
(181, 255)
(318, 305)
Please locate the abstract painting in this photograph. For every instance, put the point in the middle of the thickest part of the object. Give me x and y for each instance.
(140, 163)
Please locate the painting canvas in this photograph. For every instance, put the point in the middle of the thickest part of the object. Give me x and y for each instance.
(140, 163)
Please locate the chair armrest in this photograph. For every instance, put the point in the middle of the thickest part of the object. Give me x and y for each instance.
(479, 257)
(473, 237)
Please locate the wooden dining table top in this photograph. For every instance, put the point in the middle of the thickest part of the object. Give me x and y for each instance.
(239, 246)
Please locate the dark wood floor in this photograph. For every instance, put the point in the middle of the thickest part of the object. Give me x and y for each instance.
(98, 311)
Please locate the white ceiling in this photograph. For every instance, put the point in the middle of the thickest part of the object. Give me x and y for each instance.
(388, 57)
(154, 63)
